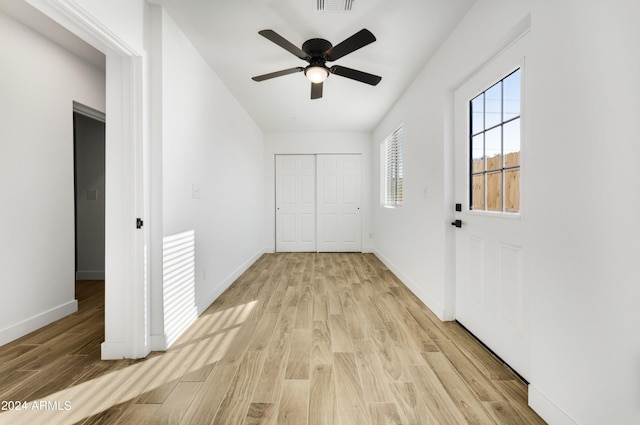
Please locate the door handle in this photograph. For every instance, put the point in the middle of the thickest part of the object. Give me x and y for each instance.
(457, 223)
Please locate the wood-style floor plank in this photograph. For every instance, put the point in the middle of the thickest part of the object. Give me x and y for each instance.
(410, 405)
(294, 403)
(261, 414)
(384, 414)
(299, 338)
(322, 396)
(235, 404)
(350, 401)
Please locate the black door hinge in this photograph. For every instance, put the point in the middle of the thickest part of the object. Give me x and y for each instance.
(139, 223)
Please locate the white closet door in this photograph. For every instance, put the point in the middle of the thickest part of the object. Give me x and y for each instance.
(339, 219)
(295, 203)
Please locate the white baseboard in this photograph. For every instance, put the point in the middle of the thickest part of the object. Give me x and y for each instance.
(158, 342)
(90, 275)
(112, 351)
(434, 306)
(203, 304)
(547, 410)
(13, 332)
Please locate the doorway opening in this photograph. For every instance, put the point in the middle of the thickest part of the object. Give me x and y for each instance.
(126, 317)
(89, 189)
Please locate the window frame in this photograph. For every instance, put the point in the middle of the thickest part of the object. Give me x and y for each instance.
(470, 135)
(392, 168)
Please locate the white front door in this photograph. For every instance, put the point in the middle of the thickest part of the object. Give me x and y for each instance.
(295, 203)
(339, 219)
(489, 117)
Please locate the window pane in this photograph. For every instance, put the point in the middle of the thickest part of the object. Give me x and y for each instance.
(477, 152)
(477, 114)
(494, 191)
(493, 148)
(512, 190)
(493, 105)
(477, 192)
(511, 143)
(511, 89)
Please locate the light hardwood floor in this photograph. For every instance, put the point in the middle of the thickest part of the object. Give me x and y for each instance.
(301, 339)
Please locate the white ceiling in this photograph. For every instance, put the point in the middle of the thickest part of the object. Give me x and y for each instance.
(225, 32)
(408, 33)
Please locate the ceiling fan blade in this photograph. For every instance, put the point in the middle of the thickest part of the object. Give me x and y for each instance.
(277, 74)
(285, 44)
(316, 90)
(354, 74)
(351, 44)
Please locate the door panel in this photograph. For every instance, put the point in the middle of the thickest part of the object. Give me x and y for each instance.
(489, 245)
(295, 203)
(339, 183)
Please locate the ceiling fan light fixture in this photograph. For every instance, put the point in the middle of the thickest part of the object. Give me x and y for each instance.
(316, 74)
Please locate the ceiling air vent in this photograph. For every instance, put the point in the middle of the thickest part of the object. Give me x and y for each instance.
(334, 5)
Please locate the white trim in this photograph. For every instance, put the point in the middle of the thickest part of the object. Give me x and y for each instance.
(88, 111)
(218, 290)
(159, 342)
(112, 350)
(547, 409)
(126, 319)
(37, 321)
(437, 308)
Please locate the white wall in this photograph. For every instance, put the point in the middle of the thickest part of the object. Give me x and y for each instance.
(39, 83)
(415, 239)
(583, 260)
(316, 143)
(581, 265)
(208, 140)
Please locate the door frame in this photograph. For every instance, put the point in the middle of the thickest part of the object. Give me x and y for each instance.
(126, 286)
(508, 60)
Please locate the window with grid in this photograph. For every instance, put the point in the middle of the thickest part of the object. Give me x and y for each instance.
(495, 147)
(392, 173)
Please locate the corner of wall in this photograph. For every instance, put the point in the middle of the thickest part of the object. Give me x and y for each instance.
(205, 302)
(433, 305)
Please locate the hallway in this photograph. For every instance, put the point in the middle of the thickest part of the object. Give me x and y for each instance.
(298, 339)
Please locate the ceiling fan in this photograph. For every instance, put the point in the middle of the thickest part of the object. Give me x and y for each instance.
(317, 52)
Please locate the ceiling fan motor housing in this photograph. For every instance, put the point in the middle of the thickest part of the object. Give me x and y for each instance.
(316, 47)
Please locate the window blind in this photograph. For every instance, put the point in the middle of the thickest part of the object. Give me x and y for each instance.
(392, 168)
